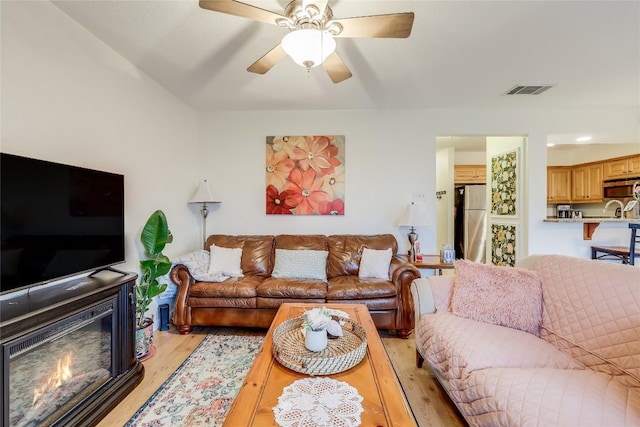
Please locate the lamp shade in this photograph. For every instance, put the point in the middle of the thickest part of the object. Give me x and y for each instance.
(203, 194)
(308, 47)
(413, 217)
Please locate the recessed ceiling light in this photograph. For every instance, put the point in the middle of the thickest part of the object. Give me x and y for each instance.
(583, 139)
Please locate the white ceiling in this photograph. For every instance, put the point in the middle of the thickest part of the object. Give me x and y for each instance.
(461, 54)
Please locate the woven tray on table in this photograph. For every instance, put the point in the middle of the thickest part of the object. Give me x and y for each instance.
(342, 353)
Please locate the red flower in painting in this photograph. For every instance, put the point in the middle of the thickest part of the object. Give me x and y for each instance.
(305, 193)
(316, 153)
(333, 207)
(276, 202)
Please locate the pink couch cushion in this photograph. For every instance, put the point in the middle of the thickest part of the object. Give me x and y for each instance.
(504, 296)
(545, 397)
(454, 347)
(592, 311)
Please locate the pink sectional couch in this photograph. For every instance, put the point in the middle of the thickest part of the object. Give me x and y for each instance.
(553, 342)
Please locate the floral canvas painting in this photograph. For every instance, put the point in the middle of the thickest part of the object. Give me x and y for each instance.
(503, 245)
(305, 175)
(503, 184)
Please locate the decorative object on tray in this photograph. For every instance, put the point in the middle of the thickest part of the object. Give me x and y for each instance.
(317, 324)
(340, 354)
(318, 402)
(315, 340)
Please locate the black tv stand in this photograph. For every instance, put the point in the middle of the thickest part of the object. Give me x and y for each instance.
(113, 270)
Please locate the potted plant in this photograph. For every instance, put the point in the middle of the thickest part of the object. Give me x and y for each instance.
(155, 235)
(316, 323)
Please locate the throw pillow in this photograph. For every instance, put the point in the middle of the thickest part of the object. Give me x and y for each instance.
(504, 296)
(225, 261)
(375, 263)
(301, 264)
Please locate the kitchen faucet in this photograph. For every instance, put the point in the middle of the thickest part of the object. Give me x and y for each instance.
(614, 201)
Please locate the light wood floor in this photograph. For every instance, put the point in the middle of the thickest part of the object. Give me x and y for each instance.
(426, 397)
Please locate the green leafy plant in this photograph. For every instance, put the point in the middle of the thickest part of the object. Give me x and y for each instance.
(155, 235)
(319, 318)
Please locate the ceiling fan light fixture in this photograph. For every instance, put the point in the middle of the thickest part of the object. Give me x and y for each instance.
(308, 47)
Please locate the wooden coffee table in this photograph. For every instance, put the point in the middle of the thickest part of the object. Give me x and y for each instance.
(383, 402)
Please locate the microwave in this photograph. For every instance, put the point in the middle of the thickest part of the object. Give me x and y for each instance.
(619, 188)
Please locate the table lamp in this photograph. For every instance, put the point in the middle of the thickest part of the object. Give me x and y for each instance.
(412, 217)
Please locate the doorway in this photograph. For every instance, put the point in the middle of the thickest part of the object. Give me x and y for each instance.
(464, 163)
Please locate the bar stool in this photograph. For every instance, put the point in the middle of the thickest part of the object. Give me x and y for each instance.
(635, 238)
(622, 253)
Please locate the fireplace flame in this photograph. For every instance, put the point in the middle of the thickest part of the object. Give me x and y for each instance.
(55, 380)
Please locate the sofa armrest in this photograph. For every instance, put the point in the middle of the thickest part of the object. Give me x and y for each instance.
(402, 273)
(528, 262)
(181, 276)
(423, 302)
(431, 294)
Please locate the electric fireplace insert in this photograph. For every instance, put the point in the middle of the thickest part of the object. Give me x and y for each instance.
(68, 351)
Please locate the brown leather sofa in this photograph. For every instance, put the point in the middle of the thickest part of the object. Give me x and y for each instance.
(253, 300)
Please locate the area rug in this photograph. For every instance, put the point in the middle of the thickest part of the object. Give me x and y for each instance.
(200, 392)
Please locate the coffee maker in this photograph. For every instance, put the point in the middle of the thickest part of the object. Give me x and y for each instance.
(564, 211)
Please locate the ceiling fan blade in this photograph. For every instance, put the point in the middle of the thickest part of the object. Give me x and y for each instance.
(395, 25)
(271, 58)
(243, 10)
(336, 69)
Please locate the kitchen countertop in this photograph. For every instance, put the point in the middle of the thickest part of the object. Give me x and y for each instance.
(590, 223)
(591, 219)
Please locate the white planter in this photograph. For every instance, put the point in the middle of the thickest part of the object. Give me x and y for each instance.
(315, 340)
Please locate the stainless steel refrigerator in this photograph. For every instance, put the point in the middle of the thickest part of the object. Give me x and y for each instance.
(470, 222)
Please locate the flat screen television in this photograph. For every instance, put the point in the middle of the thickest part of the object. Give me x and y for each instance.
(57, 221)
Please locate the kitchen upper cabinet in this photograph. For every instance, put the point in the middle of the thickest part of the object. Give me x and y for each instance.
(628, 167)
(586, 183)
(559, 184)
(470, 174)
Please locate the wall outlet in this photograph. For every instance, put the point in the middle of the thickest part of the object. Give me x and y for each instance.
(419, 196)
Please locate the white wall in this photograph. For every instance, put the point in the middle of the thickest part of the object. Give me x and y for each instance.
(445, 159)
(387, 159)
(389, 155)
(470, 157)
(68, 98)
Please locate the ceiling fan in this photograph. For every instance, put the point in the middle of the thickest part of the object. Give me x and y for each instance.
(312, 29)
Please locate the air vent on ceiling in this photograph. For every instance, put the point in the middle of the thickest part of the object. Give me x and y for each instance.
(528, 90)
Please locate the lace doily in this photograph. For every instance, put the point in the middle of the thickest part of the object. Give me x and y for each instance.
(319, 402)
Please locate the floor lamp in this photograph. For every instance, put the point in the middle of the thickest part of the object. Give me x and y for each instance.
(203, 195)
(412, 217)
